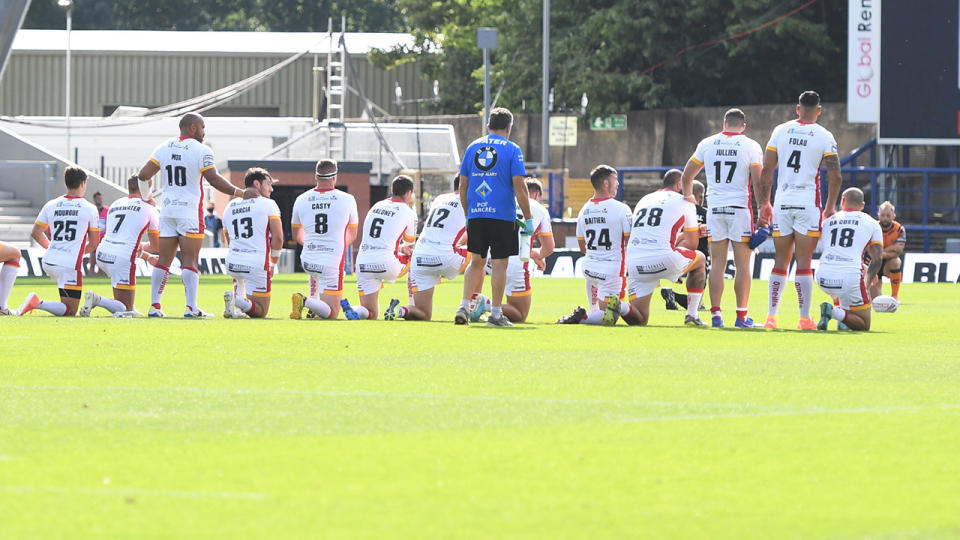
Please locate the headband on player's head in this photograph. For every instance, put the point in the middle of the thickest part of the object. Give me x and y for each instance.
(327, 176)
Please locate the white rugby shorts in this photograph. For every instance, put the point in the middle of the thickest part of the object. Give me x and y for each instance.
(122, 271)
(372, 273)
(173, 226)
(845, 285)
(257, 281)
(603, 279)
(729, 223)
(788, 219)
(645, 274)
(426, 270)
(324, 279)
(67, 277)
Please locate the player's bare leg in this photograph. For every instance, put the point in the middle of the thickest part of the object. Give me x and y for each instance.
(742, 279)
(639, 313)
(804, 278)
(369, 306)
(778, 276)
(854, 318)
(472, 282)
(718, 254)
(125, 296)
(9, 267)
(421, 309)
(498, 283)
(517, 308)
(67, 306)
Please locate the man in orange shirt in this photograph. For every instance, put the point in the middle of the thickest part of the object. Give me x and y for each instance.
(894, 241)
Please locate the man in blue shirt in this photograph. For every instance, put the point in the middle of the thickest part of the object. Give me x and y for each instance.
(492, 184)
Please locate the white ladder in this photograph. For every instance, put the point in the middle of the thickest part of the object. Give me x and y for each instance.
(336, 92)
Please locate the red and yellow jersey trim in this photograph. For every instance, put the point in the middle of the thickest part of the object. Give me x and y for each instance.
(697, 161)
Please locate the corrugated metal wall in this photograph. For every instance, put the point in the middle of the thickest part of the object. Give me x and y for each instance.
(33, 82)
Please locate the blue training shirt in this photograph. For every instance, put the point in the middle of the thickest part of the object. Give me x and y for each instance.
(490, 163)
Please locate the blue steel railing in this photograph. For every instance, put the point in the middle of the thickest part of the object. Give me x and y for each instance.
(867, 178)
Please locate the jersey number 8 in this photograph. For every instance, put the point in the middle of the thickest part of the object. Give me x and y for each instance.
(320, 224)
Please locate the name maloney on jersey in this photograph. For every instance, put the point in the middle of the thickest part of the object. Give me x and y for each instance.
(383, 212)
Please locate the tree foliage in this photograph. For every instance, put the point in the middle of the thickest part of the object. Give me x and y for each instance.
(227, 15)
(601, 47)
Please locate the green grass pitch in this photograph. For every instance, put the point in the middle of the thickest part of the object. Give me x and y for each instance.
(333, 429)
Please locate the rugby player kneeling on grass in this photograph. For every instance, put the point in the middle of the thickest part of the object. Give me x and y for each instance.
(256, 237)
(71, 223)
(845, 235)
(128, 219)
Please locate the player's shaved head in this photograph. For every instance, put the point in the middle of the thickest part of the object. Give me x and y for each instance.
(734, 118)
(599, 174)
(401, 185)
(73, 177)
(671, 180)
(852, 199)
(887, 205)
(809, 100)
(188, 120)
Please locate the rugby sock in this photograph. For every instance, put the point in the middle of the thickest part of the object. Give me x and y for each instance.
(191, 285)
(715, 312)
(496, 312)
(244, 304)
(465, 304)
(158, 281)
(56, 308)
(111, 305)
(8, 274)
(624, 308)
(693, 301)
(319, 307)
(402, 312)
(894, 284)
(778, 280)
(742, 313)
(362, 312)
(314, 287)
(838, 314)
(594, 317)
(804, 285)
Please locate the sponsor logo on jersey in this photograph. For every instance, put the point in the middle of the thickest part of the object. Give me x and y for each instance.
(485, 158)
(483, 189)
(372, 268)
(651, 268)
(240, 268)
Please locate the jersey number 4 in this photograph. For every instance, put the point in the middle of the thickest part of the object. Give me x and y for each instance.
(247, 224)
(595, 240)
(794, 161)
(176, 176)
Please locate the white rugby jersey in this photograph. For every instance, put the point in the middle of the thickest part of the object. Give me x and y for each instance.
(387, 223)
(247, 221)
(182, 162)
(726, 158)
(800, 147)
(128, 219)
(69, 220)
(446, 224)
(541, 221)
(657, 220)
(604, 224)
(324, 216)
(845, 235)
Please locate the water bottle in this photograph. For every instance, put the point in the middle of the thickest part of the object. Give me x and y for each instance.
(525, 242)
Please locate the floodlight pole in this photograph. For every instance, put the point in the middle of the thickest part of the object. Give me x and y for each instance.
(486, 40)
(69, 8)
(545, 89)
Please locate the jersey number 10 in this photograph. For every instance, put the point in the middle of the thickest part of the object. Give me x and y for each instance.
(176, 176)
